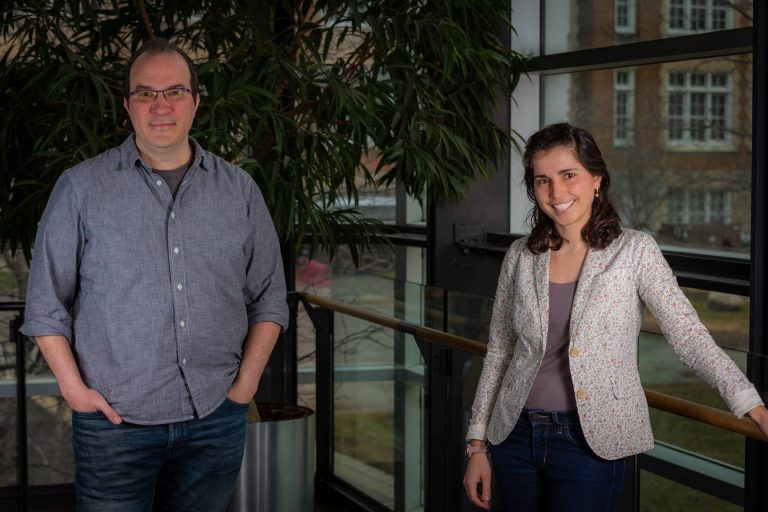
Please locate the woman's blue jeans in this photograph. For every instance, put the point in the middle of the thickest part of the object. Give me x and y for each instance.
(186, 466)
(546, 465)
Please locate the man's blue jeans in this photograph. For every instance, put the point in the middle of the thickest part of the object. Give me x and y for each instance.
(186, 466)
(545, 464)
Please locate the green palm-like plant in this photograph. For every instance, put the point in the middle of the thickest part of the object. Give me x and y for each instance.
(296, 92)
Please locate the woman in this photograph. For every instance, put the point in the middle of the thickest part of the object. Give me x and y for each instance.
(559, 399)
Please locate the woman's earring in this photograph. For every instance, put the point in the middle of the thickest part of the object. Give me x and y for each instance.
(597, 194)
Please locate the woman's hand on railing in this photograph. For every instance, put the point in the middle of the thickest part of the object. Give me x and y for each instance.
(759, 415)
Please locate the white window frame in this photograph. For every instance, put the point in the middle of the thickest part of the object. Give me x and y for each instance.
(690, 92)
(688, 8)
(630, 25)
(682, 200)
(624, 99)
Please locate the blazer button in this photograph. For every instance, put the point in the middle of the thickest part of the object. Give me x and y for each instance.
(581, 394)
(575, 352)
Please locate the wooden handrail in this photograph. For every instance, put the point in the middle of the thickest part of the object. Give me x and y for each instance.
(704, 414)
(692, 410)
(427, 333)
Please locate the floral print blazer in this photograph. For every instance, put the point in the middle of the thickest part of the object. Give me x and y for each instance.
(614, 285)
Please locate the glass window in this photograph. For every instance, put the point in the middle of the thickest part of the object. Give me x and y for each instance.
(570, 25)
(677, 139)
(624, 16)
(698, 109)
(697, 207)
(623, 107)
(703, 15)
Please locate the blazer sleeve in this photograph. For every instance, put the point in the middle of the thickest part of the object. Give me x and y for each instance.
(688, 337)
(501, 346)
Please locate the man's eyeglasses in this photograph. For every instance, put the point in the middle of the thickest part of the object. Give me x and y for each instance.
(148, 95)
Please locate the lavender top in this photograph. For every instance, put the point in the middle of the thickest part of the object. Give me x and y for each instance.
(552, 388)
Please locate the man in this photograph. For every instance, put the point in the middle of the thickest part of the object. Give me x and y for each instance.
(156, 295)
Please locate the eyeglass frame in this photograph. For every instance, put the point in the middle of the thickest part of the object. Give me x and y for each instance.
(136, 91)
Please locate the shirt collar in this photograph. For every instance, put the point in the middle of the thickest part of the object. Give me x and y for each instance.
(129, 155)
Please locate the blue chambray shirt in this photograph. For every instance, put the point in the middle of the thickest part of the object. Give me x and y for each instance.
(155, 294)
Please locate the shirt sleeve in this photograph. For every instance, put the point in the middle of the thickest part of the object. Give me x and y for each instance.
(264, 291)
(501, 347)
(688, 337)
(56, 257)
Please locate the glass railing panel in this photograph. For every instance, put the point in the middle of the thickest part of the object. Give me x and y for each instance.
(49, 430)
(725, 315)
(364, 356)
(376, 284)
(378, 411)
(658, 493)
(469, 315)
(662, 371)
(49, 425)
(8, 418)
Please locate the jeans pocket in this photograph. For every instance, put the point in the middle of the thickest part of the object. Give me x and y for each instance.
(93, 415)
(575, 435)
(236, 404)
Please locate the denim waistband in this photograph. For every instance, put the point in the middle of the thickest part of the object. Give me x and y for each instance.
(540, 416)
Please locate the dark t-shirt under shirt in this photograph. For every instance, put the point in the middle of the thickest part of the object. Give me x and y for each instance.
(174, 177)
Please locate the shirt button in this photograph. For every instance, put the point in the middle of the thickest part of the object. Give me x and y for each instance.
(179, 287)
(175, 250)
(575, 352)
(159, 182)
(184, 361)
(173, 215)
(182, 323)
(581, 394)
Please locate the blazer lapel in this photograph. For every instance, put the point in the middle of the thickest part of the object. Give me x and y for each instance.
(594, 263)
(541, 280)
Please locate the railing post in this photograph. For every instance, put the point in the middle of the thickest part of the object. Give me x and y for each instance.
(756, 463)
(21, 414)
(324, 392)
(442, 481)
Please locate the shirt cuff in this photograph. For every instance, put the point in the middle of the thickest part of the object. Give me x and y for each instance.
(744, 401)
(275, 311)
(476, 431)
(45, 326)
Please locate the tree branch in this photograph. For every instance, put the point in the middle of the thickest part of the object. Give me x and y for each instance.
(145, 18)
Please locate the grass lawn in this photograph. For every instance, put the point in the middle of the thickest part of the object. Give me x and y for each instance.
(662, 495)
(367, 436)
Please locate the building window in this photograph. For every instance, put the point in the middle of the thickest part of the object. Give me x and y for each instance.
(623, 107)
(698, 15)
(688, 207)
(698, 108)
(624, 16)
